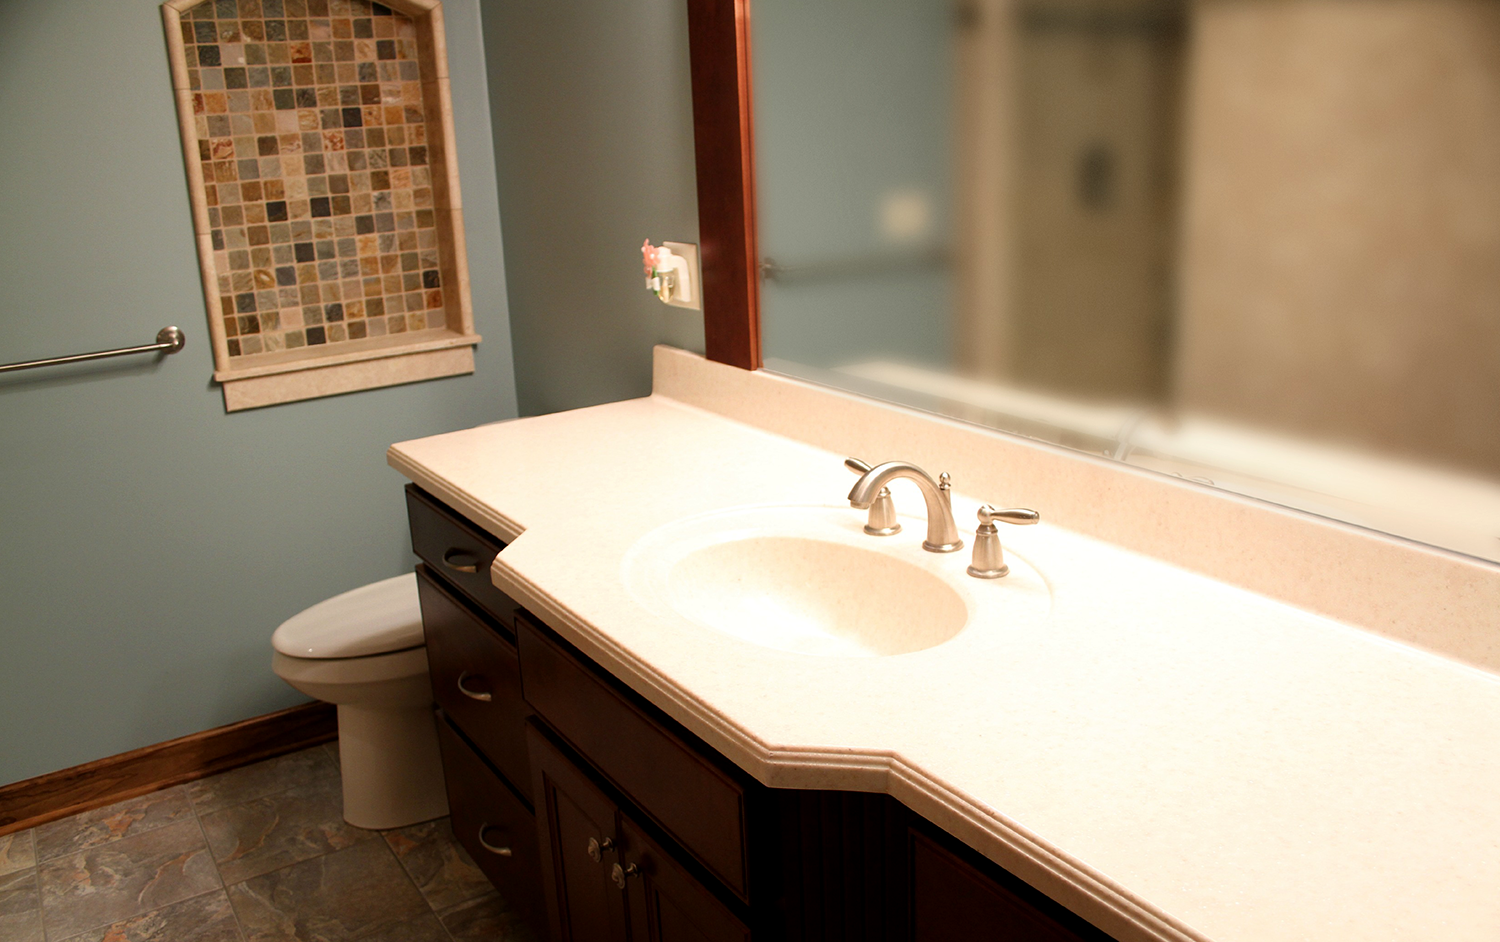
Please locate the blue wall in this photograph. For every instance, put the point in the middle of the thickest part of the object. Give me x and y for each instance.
(852, 101)
(593, 122)
(150, 543)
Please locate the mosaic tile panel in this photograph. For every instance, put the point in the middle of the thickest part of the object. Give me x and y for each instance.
(313, 137)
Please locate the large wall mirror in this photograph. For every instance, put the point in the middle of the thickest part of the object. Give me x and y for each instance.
(1252, 243)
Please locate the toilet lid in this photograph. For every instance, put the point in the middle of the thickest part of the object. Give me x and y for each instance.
(378, 618)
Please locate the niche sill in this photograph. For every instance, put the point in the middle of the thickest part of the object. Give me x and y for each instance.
(310, 372)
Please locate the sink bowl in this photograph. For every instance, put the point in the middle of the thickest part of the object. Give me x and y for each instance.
(815, 596)
(808, 580)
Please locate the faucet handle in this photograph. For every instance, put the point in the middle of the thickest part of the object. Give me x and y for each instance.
(882, 519)
(1019, 516)
(989, 557)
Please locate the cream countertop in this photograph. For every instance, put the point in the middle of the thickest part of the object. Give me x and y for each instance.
(1170, 756)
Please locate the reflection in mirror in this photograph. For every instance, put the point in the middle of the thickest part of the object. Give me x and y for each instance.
(1254, 243)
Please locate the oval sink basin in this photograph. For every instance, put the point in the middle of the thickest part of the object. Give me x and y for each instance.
(814, 596)
(809, 580)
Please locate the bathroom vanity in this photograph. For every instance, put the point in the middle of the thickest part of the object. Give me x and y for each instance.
(1111, 746)
(599, 817)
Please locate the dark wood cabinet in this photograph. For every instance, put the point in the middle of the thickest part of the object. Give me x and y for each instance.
(493, 824)
(576, 826)
(664, 902)
(693, 798)
(635, 830)
(605, 879)
(458, 551)
(955, 899)
(476, 677)
(842, 866)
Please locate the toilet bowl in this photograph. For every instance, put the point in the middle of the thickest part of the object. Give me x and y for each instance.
(363, 651)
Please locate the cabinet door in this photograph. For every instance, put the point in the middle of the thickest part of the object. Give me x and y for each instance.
(665, 903)
(953, 900)
(665, 776)
(576, 829)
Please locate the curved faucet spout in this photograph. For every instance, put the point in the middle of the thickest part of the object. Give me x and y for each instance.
(942, 532)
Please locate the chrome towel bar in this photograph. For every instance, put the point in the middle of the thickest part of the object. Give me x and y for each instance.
(168, 340)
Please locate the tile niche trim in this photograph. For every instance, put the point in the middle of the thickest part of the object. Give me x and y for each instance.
(318, 142)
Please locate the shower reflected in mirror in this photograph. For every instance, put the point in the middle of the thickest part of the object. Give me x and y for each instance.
(1252, 243)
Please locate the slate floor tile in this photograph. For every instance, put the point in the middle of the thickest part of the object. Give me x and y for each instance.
(20, 908)
(439, 867)
(16, 852)
(112, 822)
(298, 770)
(156, 868)
(486, 919)
(206, 918)
(127, 877)
(423, 928)
(355, 893)
(268, 833)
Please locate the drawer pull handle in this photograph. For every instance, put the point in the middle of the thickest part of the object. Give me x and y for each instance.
(596, 849)
(497, 851)
(461, 560)
(620, 874)
(484, 696)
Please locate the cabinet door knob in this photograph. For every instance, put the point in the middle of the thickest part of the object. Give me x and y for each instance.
(483, 696)
(461, 560)
(597, 848)
(498, 851)
(620, 874)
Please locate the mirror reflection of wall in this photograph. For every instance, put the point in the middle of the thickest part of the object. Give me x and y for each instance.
(854, 164)
(1250, 242)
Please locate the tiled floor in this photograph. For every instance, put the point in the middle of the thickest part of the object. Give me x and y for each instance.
(259, 854)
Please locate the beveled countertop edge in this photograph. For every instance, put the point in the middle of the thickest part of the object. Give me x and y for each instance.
(491, 520)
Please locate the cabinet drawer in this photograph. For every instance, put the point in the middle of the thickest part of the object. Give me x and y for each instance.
(493, 826)
(691, 799)
(476, 679)
(457, 551)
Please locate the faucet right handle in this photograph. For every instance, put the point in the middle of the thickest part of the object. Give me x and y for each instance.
(989, 557)
(1020, 516)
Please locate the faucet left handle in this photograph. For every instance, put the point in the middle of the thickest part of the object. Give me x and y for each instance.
(882, 519)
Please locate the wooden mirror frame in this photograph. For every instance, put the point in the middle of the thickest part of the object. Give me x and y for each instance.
(719, 43)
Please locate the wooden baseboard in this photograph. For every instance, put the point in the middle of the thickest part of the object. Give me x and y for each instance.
(105, 781)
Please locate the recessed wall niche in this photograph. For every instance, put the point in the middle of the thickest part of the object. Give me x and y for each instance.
(318, 138)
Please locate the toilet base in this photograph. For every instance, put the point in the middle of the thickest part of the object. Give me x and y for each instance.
(392, 773)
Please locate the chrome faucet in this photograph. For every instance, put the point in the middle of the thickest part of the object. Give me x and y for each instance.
(942, 532)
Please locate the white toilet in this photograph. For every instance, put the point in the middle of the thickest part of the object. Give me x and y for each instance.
(364, 651)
